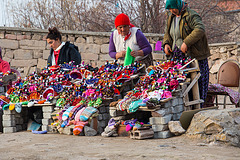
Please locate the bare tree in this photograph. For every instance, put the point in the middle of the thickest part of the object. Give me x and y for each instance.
(99, 15)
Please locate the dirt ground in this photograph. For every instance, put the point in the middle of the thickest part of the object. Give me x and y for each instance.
(29, 146)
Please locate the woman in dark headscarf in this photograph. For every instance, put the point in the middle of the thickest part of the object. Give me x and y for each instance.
(186, 31)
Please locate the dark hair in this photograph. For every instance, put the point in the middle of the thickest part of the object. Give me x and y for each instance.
(53, 33)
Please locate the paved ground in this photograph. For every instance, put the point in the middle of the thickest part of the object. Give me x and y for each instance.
(29, 146)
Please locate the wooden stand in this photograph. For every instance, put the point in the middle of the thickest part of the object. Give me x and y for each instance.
(194, 68)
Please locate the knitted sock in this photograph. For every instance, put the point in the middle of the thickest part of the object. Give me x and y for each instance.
(18, 107)
(78, 128)
(77, 117)
(64, 124)
(129, 127)
(87, 113)
(66, 113)
(6, 106)
(12, 106)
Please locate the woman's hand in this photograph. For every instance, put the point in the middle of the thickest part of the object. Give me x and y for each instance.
(137, 53)
(167, 50)
(184, 48)
(120, 54)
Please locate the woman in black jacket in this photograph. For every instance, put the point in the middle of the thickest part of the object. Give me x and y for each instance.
(61, 51)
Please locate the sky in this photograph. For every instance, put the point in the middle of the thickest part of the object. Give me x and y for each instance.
(5, 15)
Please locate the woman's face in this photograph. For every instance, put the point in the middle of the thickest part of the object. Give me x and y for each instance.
(123, 29)
(54, 44)
(175, 11)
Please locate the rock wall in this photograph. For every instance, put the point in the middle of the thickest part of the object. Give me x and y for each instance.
(27, 50)
(216, 125)
(220, 53)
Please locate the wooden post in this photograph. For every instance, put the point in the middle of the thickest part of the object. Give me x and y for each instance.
(195, 90)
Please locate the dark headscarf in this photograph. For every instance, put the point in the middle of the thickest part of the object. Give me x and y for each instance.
(174, 4)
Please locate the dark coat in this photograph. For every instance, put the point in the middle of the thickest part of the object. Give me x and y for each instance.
(192, 32)
(69, 52)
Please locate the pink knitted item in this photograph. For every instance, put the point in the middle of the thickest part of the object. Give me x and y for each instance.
(77, 117)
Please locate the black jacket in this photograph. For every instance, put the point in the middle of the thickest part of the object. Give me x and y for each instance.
(69, 52)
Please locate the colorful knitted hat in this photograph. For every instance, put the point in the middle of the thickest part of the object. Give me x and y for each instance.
(54, 67)
(75, 74)
(122, 19)
(49, 91)
(4, 100)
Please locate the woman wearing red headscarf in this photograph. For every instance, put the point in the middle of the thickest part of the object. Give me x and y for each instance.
(4, 65)
(127, 35)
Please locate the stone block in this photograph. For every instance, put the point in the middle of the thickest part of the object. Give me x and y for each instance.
(158, 56)
(102, 109)
(101, 40)
(11, 36)
(106, 116)
(103, 123)
(105, 57)
(7, 112)
(100, 129)
(19, 120)
(89, 39)
(167, 104)
(176, 116)
(160, 120)
(18, 115)
(174, 101)
(46, 127)
(88, 131)
(9, 129)
(89, 56)
(9, 44)
(100, 117)
(105, 48)
(32, 44)
(178, 109)
(41, 63)
(21, 54)
(1, 35)
(80, 40)
(180, 100)
(162, 112)
(24, 63)
(46, 53)
(37, 37)
(9, 117)
(160, 127)
(116, 113)
(46, 115)
(21, 37)
(8, 123)
(48, 109)
(92, 48)
(47, 121)
(38, 54)
(19, 128)
(9, 54)
(176, 128)
(162, 135)
(71, 38)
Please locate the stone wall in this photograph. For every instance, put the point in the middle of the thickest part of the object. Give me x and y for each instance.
(220, 53)
(27, 49)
